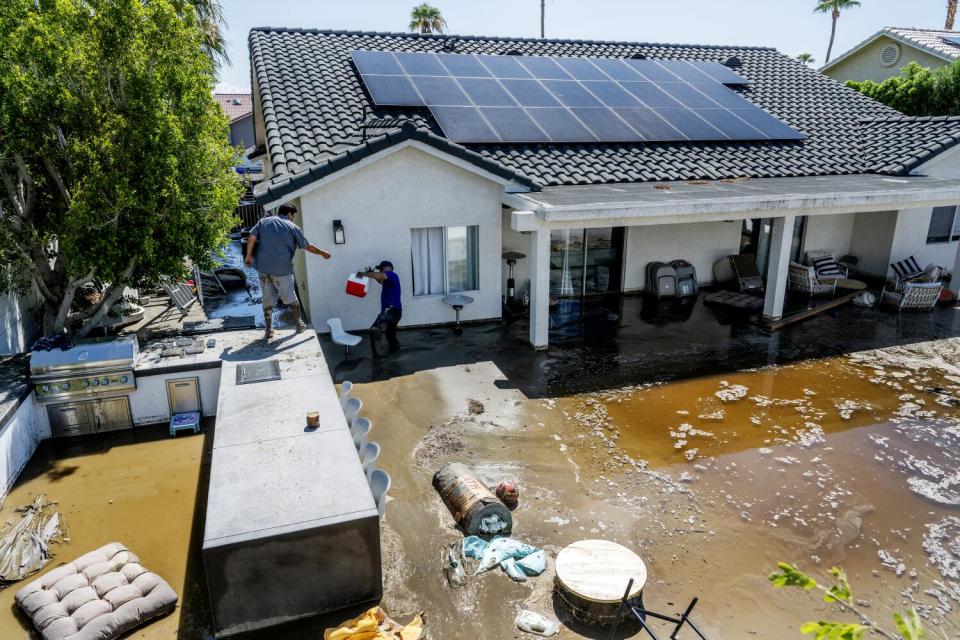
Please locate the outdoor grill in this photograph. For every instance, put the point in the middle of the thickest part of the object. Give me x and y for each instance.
(87, 369)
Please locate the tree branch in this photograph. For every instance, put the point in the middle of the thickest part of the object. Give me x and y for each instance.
(867, 622)
(57, 179)
(68, 295)
(110, 298)
(27, 180)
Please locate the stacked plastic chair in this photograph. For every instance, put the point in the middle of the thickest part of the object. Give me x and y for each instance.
(368, 452)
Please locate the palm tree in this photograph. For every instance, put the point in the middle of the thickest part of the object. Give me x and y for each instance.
(427, 19)
(209, 14)
(951, 14)
(834, 7)
(543, 18)
(806, 58)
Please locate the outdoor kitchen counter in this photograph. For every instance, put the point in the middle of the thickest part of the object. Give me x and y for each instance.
(291, 527)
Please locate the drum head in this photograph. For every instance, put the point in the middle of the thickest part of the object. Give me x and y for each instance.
(599, 570)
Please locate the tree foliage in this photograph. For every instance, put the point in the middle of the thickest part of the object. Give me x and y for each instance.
(427, 19)
(114, 158)
(917, 91)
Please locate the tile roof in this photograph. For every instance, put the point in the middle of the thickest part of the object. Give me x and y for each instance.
(314, 104)
(931, 40)
(899, 145)
(235, 105)
(284, 184)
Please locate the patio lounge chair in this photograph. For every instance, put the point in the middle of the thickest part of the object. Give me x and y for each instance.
(914, 295)
(749, 279)
(804, 278)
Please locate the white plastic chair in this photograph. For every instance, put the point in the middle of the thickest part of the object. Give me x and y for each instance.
(379, 485)
(346, 388)
(360, 429)
(368, 458)
(341, 337)
(351, 410)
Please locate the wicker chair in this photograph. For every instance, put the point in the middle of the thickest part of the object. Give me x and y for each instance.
(914, 295)
(804, 278)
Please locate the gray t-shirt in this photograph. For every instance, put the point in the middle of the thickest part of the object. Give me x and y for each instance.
(277, 240)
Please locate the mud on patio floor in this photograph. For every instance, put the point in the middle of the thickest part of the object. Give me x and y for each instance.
(848, 460)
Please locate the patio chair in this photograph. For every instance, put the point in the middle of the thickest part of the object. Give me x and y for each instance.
(804, 278)
(351, 410)
(379, 485)
(909, 270)
(749, 279)
(346, 388)
(914, 295)
(360, 430)
(368, 458)
(341, 337)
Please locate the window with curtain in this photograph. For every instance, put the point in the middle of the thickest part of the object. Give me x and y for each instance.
(944, 225)
(445, 259)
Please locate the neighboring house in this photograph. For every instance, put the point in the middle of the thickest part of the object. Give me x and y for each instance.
(239, 109)
(589, 215)
(883, 54)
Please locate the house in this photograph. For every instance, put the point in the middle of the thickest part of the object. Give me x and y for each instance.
(830, 170)
(239, 109)
(883, 54)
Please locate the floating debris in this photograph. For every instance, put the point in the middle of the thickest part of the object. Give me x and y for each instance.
(731, 392)
(25, 546)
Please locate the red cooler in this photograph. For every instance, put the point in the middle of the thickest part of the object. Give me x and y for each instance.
(357, 286)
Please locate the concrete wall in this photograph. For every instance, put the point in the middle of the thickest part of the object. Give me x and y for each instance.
(18, 322)
(866, 65)
(701, 244)
(379, 204)
(516, 241)
(241, 132)
(149, 405)
(829, 233)
(19, 439)
(871, 241)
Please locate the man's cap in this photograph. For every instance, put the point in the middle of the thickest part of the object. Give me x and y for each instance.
(384, 264)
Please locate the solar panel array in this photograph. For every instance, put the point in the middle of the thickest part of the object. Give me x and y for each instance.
(534, 99)
(952, 40)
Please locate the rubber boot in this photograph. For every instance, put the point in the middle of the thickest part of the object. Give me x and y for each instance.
(268, 322)
(295, 315)
(375, 339)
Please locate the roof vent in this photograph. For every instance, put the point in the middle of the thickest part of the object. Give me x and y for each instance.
(733, 62)
(235, 101)
(638, 56)
(449, 45)
(890, 54)
(513, 52)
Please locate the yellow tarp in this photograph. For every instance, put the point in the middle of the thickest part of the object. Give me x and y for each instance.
(375, 624)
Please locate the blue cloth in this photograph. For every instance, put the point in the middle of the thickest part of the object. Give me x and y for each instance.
(390, 293)
(277, 240)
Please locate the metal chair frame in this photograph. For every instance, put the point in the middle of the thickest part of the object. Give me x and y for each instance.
(640, 614)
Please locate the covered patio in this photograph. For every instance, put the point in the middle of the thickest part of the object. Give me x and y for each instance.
(872, 205)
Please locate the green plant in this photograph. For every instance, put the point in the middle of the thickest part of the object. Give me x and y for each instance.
(917, 91)
(839, 593)
(834, 7)
(114, 161)
(427, 19)
(806, 58)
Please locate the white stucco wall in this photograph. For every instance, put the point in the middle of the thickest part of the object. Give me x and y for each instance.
(379, 204)
(829, 233)
(516, 241)
(866, 64)
(871, 240)
(18, 319)
(700, 243)
(19, 439)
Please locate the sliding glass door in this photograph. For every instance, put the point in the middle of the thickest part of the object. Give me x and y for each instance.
(585, 262)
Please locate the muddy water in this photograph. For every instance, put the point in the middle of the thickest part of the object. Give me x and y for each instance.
(845, 461)
(138, 488)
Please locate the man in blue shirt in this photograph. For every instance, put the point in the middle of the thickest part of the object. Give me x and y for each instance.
(391, 308)
(276, 238)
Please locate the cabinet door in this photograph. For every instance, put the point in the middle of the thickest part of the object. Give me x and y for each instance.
(71, 419)
(112, 414)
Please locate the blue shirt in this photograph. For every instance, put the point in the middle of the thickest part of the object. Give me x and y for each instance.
(277, 240)
(390, 292)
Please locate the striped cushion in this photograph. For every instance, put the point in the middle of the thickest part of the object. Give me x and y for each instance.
(907, 268)
(827, 267)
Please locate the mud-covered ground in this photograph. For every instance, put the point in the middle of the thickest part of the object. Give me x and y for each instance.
(849, 461)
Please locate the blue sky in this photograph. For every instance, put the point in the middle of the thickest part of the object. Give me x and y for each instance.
(789, 25)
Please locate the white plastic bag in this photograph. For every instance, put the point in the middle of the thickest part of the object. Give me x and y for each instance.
(533, 622)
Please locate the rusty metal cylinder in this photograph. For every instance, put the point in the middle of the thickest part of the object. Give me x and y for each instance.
(470, 501)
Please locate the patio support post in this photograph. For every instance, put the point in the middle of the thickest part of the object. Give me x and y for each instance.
(955, 278)
(778, 267)
(539, 288)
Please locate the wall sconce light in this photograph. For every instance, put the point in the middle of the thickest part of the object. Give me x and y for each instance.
(339, 236)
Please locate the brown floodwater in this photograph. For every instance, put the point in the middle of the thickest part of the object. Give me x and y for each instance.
(713, 480)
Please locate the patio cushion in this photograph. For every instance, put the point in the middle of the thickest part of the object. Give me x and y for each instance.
(907, 268)
(827, 267)
(99, 596)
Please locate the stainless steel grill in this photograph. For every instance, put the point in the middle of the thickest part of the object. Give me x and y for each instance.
(86, 369)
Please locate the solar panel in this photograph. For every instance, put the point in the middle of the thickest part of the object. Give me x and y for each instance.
(537, 99)
(952, 39)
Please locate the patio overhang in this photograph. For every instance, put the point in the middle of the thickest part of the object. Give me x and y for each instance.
(636, 204)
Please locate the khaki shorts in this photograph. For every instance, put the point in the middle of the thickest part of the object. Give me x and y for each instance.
(277, 288)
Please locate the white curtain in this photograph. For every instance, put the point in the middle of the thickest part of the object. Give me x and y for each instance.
(429, 264)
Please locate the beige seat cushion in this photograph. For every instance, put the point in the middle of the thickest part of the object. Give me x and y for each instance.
(99, 596)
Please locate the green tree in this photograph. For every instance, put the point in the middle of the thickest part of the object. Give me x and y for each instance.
(917, 91)
(839, 594)
(114, 165)
(806, 58)
(209, 14)
(427, 19)
(834, 7)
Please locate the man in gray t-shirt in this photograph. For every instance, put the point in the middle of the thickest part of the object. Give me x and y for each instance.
(275, 239)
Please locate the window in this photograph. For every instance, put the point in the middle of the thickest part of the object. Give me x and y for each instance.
(944, 225)
(445, 259)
